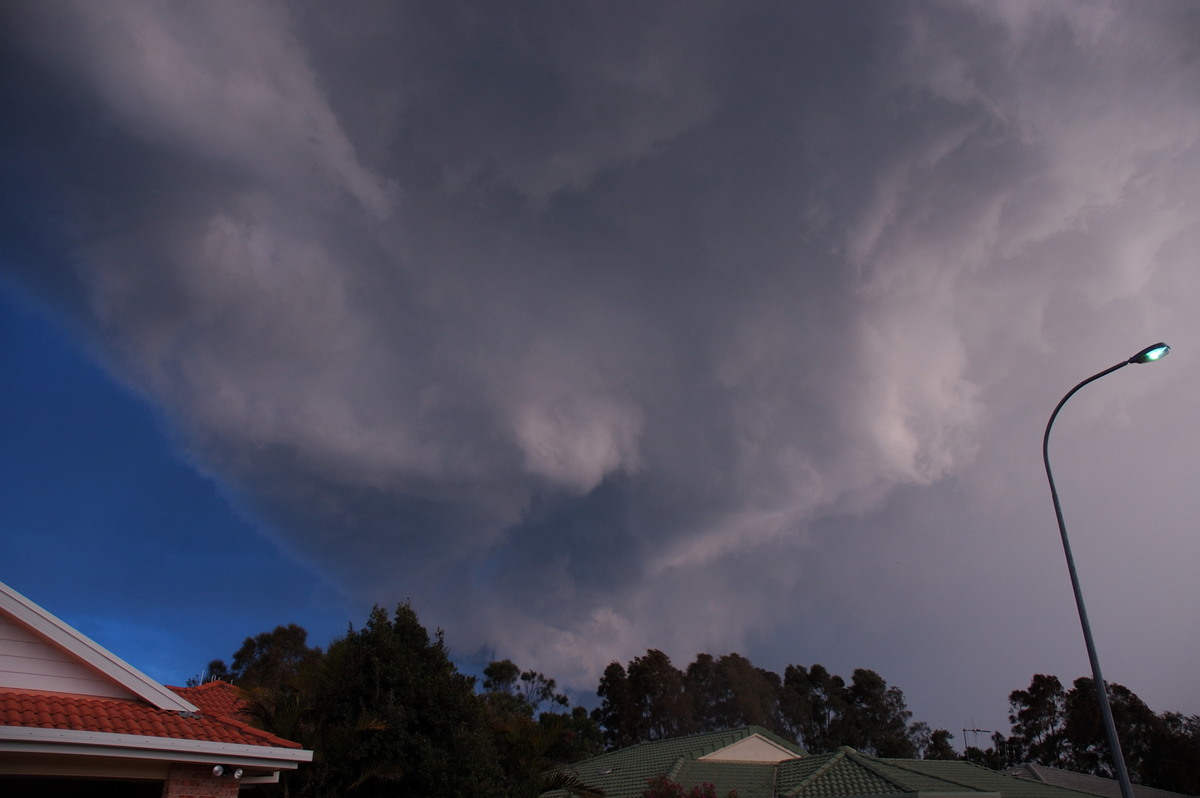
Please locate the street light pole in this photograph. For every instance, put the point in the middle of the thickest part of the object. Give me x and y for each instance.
(1147, 355)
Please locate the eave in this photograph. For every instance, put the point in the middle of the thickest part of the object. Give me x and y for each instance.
(20, 739)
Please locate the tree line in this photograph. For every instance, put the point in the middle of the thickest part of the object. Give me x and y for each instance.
(1063, 728)
(654, 700)
(386, 712)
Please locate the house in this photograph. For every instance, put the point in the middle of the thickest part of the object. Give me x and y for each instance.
(1095, 785)
(759, 764)
(77, 720)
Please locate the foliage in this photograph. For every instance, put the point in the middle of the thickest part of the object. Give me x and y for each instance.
(876, 717)
(823, 712)
(568, 780)
(531, 743)
(814, 700)
(529, 691)
(1175, 764)
(1038, 718)
(995, 757)
(662, 787)
(730, 691)
(268, 659)
(937, 745)
(384, 710)
(647, 702)
(575, 736)
(1063, 728)
(658, 688)
(653, 700)
(431, 738)
(1086, 740)
(617, 714)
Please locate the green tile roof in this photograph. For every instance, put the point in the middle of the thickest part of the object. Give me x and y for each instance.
(844, 773)
(750, 779)
(976, 777)
(831, 775)
(624, 773)
(1096, 785)
(848, 772)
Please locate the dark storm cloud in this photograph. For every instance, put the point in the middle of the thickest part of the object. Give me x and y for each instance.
(595, 327)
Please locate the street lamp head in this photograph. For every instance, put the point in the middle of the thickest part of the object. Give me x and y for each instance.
(1151, 353)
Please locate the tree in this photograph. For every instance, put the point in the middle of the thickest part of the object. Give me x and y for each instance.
(659, 694)
(938, 746)
(530, 742)
(730, 692)
(268, 659)
(1038, 718)
(576, 736)
(617, 714)
(823, 712)
(876, 717)
(1086, 739)
(1175, 762)
(653, 700)
(1063, 728)
(412, 722)
(647, 702)
(530, 690)
(994, 757)
(813, 701)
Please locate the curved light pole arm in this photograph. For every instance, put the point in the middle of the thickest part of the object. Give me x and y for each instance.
(1110, 727)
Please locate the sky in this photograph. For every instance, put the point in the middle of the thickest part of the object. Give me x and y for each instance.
(589, 328)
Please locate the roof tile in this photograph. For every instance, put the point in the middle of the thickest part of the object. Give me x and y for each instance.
(218, 720)
(845, 772)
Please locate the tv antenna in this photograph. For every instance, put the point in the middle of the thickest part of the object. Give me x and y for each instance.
(975, 732)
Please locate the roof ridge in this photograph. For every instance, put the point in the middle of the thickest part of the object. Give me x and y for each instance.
(231, 718)
(85, 651)
(212, 684)
(834, 758)
(871, 763)
(715, 741)
(1036, 770)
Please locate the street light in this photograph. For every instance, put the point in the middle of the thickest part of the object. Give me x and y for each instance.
(1147, 355)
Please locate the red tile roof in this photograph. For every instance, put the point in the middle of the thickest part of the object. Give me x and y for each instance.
(214, 723)
(214, 698)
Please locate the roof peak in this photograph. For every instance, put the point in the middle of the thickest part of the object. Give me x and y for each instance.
(46, 626)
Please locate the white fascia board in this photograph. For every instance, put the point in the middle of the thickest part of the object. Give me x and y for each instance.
(131, 746)
(90, 652)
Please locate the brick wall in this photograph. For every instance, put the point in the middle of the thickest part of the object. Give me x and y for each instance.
(197, 781)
